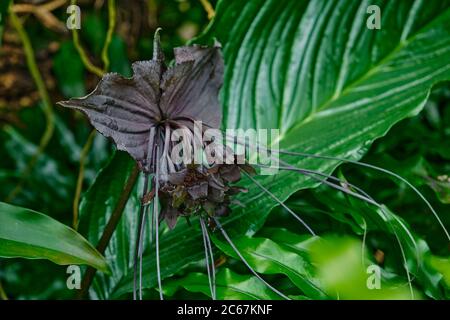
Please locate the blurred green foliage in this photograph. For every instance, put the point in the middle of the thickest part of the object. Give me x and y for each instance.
(417, 148)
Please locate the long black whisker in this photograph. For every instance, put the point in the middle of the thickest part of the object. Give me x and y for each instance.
(211, 255)
(138, 243)
(312, 173)
(207, 259)
(359, 163)
(141, 249)
(280, 203)
(365, 197)
(373, 167)
(362, 196)
(156, 223)
(235, 249)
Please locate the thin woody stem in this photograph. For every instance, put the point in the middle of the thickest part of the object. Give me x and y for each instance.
(110, 228)
(109, 34)
(208, 8)
(79, 186)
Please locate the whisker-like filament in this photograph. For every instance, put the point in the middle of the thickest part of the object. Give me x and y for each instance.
(236, 250)
(213, 267)
(209, 259)
(359, 163)
(139, 240)
(141, 249)
(362, 194)
(156, 223)
(280, 203)
(367, 198)
(388, 172)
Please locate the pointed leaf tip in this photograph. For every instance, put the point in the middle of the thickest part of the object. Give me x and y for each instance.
(158, 55)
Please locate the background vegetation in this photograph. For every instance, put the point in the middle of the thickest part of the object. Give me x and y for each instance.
(286, 61)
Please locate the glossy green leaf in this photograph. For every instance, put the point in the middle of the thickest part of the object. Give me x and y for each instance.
(229, 286)
(347, 274)
(443, 266)
(29, 234)
(331, 85)
(95, 210)
(267, 257)
(366, 221)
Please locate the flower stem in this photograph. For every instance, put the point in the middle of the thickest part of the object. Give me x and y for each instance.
(97, 71)
(87, 63)
(208, 8)
(79, 186)
(109, 34)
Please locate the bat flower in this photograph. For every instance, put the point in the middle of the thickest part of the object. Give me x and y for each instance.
(141, 114)
(197, 187)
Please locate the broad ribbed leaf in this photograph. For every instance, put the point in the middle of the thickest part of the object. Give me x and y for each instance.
(229, 286)
(331, 85)
(29, 234)
(366, 218)
(267, 257)
(321, 267)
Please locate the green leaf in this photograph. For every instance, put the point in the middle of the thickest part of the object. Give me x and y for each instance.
(340, 267)
(267, 257)
(331, 85)
(443, 266)
(96, 208)
(229, 286)
(29, 234)
(395, 235)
